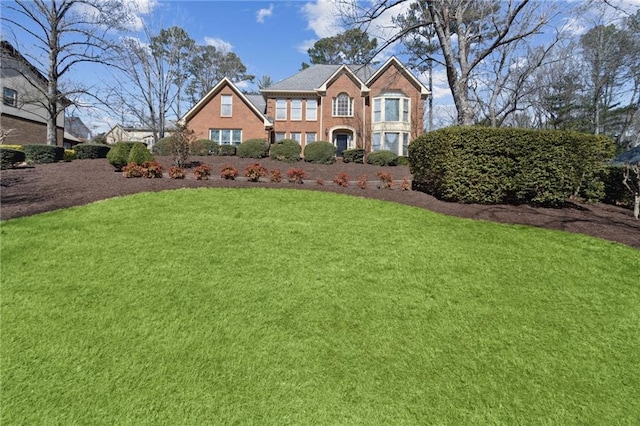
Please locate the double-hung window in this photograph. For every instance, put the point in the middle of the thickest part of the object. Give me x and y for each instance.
(296, 136)
(343, 105)
(296, 109)
(391, 107)
(9, 97)
(310, 137)
(226, 106)
(281, 109)
(312, 110)
(226, 136)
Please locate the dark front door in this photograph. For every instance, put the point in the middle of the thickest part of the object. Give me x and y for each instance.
(341, 144)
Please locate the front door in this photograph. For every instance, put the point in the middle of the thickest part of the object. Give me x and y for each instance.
(342, 141)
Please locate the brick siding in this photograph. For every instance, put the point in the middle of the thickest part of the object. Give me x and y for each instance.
(27, 132)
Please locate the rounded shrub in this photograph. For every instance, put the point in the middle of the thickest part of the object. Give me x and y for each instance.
(164, 146)
(227, 150)
(320, 152)
(286, 150)
(355, 155)
(383, 158)
(253, 148)
(403, 161)
(9, 157)
(203, 147)
(70, 155)
(118, 156)
(91, 150)
(42, 154)
(140, 154)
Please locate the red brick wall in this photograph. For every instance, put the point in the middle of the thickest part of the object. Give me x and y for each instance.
(344, 83)
(243, 117)
(301, 126)
(26, 132)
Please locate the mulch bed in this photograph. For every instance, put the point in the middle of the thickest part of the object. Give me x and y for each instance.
(47, 187)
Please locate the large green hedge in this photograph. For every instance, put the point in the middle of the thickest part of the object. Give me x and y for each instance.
(9, 157)
(41, 154)
(505, 165)
(286, 150)
(203, 147)
(86, 151)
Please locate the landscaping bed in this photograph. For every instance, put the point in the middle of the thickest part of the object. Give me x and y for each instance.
(47, 187)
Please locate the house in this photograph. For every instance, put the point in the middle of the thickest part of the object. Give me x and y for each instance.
(23, 108)
(75, 127)
(351, 106)
(120, 133)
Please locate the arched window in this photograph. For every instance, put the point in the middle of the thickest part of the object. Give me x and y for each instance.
(342, 105)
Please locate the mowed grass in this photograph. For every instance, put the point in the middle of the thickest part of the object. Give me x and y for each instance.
(263, 306)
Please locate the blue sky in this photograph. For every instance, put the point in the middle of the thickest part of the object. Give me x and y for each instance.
(270, 37)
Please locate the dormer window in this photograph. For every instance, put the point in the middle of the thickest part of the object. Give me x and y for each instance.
(10, 97)
(343, 105)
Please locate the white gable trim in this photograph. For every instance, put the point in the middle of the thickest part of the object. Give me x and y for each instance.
(424, 92)
(323, 88)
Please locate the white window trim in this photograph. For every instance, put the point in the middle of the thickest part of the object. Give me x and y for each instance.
(283, 109)
(349, 106)
(383, 146)
(306, 137)
(13, 100)
(230, 105)
(299, 118)
(220, 130)
(401, 111)
(315, 110)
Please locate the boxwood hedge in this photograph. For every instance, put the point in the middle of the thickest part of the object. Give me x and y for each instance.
(118, 156)
(41, 154)
(506, 165)
(91, 150)
(320, 152)
(355, 155)
(383, 158)
(253, 148)
(9, 157)
(286, 150)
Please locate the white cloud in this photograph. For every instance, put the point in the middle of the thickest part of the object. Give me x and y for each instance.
(264, 13)
(440, 88)
(219, 44)
(323, 17)
(305, 45)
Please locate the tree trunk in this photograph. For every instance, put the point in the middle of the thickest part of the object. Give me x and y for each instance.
(636, 206)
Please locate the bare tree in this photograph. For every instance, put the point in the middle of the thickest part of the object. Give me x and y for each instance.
(632, 182)
(470, 33)
(67, 33)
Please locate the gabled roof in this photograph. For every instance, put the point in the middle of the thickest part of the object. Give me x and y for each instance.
(314, 77)
(221, 84)
(424, 92)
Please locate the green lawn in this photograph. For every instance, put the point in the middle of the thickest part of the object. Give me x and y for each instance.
(281, 307)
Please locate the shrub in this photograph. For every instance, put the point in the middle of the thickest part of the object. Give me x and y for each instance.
(296, 175)
(362, 182)
(403, 161)
(203, 147)
(341, 179)
(164, 146)
(9, 157)
(319, 181)
(253, 148)
(91, 150)
(320, 152)
(42, 154)
(176, 172)
(254, 172)
(406, 184)
(226, 150)
(139, 154)
(70, 155)
(229, 172)
(489, 165)
(118, 155)
(202, 172)
(286, 150)
(275, 176)
(16, 147)
(152, 169)
(132, 170)
(615, 192)
(386, 181)
(353, 156)
(383, 158)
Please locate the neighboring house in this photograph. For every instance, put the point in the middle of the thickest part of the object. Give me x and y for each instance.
(351, 106)
(76, 127)
(23, 108)
(119, 133)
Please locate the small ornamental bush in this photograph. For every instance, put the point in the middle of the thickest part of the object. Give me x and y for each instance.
(164, 146)
(319, 181)
(275, 176)
(176, 172)
(383, 158)
(286, 150)
(386, 181)
(86, 151)
(353, 156)
(43, 154)
(341, 179)
(406, 184)
(229, 172)
(202, 172)
(152, 169)
(226, 150)
(9, 157)
(132, 170)
(403, 161)
(362, 182)
(139, 154)
(118, 155)
(202, 147)
(254, 172)
(253, 148)
(320, 152)
(296, 175)
(70, 155)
